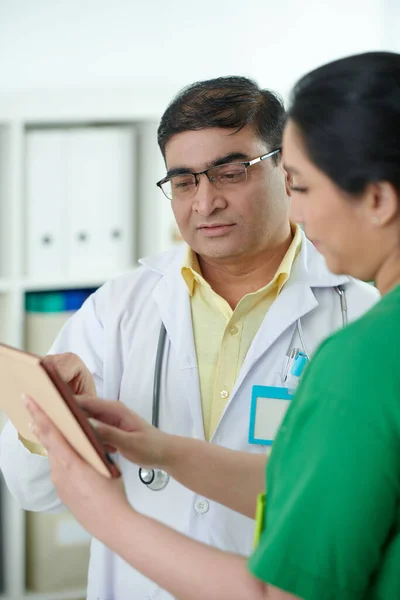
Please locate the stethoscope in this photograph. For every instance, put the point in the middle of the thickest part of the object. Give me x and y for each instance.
(157, 479)
(339, 289)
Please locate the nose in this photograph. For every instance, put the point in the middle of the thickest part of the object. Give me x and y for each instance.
(207, 198)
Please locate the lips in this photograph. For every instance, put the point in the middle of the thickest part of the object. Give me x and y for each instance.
(214, 225)
(215, 229)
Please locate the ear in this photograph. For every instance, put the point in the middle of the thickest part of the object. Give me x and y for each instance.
(383, 203)
(288, 180)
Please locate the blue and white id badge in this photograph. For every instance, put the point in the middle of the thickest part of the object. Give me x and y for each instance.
(269, 404)
(268, 409)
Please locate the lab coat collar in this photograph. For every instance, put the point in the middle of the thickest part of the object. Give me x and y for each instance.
(309, 268)
(166, 262)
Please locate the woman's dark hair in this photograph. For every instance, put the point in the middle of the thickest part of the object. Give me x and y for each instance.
(348, 115)
(230, 102)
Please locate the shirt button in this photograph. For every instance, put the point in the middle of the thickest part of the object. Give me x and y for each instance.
(233, 330)
(224, 394)
(201, 506)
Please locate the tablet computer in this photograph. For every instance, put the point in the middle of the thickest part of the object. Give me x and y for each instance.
(25, 373)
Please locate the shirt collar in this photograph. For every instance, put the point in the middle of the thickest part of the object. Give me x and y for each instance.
(191, 271)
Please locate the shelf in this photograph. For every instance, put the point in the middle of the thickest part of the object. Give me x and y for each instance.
(39, 285)
(153, 224)
(72, 595)
(64, 595)
(6, 285)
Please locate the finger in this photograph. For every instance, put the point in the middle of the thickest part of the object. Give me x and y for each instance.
(97, 408)
(72, 371)
(110, 412)
(113, 437)
(95, 425)
(68, 365)
(50, 437)
(110, 449)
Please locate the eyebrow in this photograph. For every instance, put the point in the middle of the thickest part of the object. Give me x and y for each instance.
(228, 158)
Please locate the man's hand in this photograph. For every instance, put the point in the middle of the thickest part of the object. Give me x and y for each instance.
(72, 371)
(125, 432)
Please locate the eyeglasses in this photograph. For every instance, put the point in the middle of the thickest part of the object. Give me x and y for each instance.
(181, 187)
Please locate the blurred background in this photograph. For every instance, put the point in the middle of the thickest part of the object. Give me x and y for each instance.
(83, 84)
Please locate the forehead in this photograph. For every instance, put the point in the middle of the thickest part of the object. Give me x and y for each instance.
(196, 149)
(297, 162)
(293, 152)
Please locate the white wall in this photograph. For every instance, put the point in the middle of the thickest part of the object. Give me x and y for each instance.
(391, 24)
(123, 43)
(139, 53)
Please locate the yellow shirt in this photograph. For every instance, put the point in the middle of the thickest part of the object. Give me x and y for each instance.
(33, 447)
(223, 336)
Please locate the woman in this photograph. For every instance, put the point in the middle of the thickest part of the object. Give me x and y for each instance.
(331, 526)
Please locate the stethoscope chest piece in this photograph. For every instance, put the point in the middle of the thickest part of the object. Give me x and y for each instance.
(154, 479)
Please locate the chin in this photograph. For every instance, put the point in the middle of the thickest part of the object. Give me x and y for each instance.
(218, 250)
(340, 268)
(216, 253)
(335, 266)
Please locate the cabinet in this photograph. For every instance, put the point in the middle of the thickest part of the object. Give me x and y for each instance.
(82, 147)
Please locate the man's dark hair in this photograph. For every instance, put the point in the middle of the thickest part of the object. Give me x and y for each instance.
(229, 102)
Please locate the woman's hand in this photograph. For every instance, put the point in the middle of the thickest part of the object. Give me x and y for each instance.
(207, 469)
(100, 505)
(125, 432)
(91, 497)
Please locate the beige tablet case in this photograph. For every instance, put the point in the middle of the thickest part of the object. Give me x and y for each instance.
(22, 373)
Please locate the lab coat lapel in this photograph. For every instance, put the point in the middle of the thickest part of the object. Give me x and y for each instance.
(172, 297)
(294, 301)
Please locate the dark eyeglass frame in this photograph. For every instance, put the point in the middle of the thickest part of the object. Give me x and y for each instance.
(211, 179)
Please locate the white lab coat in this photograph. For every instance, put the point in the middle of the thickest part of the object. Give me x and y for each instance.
(116, 334)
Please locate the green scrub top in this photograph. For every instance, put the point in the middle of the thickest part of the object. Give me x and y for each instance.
(331, 526)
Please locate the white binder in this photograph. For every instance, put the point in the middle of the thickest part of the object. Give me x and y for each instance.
(80, 201)
(100, 192)
(45, 203)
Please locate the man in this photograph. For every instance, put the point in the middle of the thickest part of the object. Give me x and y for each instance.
(230, 304)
